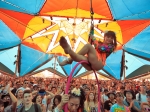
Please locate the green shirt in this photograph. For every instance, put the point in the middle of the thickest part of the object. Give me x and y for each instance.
(32, 109)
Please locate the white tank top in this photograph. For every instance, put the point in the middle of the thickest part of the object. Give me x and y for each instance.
(44, 101)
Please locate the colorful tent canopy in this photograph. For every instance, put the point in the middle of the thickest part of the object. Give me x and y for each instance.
(30, 33)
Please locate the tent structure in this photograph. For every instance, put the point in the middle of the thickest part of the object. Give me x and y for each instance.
(46, 74)
(30, 33)
(92, 76)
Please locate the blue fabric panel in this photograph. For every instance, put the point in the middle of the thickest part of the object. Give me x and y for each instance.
(82, 70)
(101, 71)
(31, 59)
(25, 6)
(8, 57)
(139, 45)
(130, 9)
(113, 64)
(68, 68)
(7, 37)
(133, 63)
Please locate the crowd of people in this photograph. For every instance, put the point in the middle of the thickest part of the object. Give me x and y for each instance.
(30, 94)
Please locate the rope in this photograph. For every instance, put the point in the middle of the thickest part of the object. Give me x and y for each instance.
(92, 23)
(70, 78)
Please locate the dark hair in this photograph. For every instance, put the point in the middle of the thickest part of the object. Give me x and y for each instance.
(88, 99)
(112, 34)
(25, 80)
(4, 95)
(27, 91)
(130, 91)
(17, 82)
(81, 97)
(34, 99)
(119, 94)
(59, 99)
(1, 102)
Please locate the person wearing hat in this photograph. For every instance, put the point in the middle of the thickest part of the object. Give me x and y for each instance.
(119, 106)
(130, 102)
(110, 102)
(146, 105)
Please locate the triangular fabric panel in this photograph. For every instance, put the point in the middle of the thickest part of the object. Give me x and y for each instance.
(139, 45)
(125, 10)
(104, 73)
(140, 71)
(31, 59)
(82, 70)
(8, 58)
(50, 64)
(26, 6)
(133, 63)
(5, 69)
(7, 37)
(113, 64)
(68, 68)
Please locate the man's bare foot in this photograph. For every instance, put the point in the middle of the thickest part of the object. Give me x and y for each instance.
(65, 62)
(64, 44)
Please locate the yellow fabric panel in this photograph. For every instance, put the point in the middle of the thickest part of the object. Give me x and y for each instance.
(43, 42)
(68, 27)
(54, 28)
(97, 33)
(81, 28)
(113, 26)
(71, 37)
(61, 33)
(72, 13)
(80, 46)
(85, 36)
(58, 50)
(35, 25)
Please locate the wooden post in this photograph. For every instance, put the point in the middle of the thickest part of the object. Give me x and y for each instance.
(124, 66)
(55, 65)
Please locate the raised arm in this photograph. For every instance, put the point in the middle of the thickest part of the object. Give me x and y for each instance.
(14, 100)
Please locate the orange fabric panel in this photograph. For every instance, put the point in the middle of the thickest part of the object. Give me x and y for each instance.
(131, 28)
(99, 6)
(16, 27)
(23, 18)
(18, 24)
(32, 45)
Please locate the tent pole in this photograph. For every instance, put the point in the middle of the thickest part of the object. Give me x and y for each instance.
(124, 66)
(55, 65)
(17, 61)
